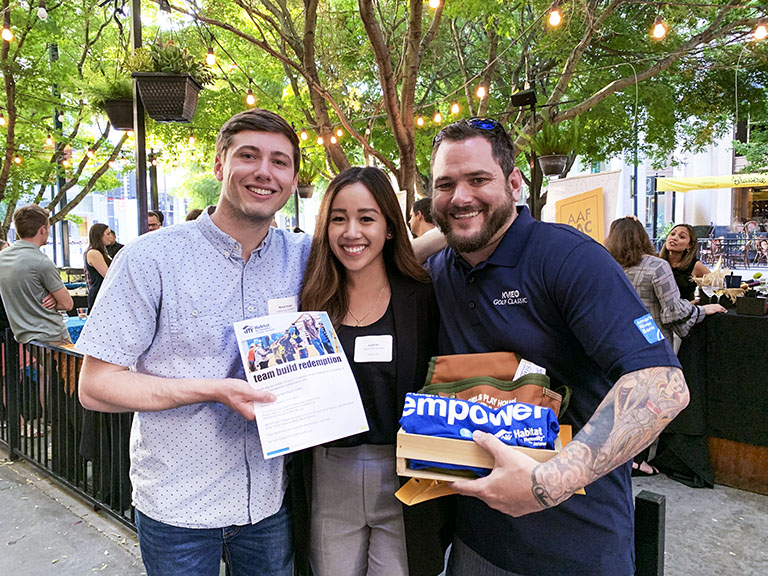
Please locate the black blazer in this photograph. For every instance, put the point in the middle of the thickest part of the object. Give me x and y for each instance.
(429, 525)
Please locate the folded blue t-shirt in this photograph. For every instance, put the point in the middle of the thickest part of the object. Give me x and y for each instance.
(516, 424)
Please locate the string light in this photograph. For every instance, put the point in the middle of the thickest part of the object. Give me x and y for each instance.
(250, 99)
(49, 141)
(304, 136)
(437, 118)
(191, 140)
(60, 117)
(130, 133)
(2, 120)
(555, 16)
(455, 109)
(210, 58)
(65, 163)
(320, 141)
(42, 13)
(659, 28)
(339, 132)
(434, 4)
(420, 121)
(90, 153)
(481, 92)
(17, 160)
(6, 34)
(111, 163)
(333, 140)
(761, 30)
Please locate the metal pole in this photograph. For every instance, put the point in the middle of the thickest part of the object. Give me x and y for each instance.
(53, 51)
(534, 192)
(655, 207)
(636, 184)
(153, 193)
(139, 129)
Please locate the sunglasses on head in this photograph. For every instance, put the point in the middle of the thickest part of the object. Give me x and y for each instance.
(486, 124)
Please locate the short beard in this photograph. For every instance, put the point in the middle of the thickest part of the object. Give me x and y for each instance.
(497, 218)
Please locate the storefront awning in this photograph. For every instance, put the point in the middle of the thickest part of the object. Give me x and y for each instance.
(730, 181)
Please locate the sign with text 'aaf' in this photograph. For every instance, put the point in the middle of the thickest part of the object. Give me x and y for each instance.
(584, 212)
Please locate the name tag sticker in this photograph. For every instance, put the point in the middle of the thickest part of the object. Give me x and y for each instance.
(280, 305)
(373, 348)
(648, 329)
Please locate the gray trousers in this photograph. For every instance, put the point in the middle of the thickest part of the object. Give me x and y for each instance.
(357, 523)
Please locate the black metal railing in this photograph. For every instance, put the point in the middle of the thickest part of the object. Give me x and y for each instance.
(43, 423)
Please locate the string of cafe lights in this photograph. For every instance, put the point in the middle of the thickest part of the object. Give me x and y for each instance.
(554, 16)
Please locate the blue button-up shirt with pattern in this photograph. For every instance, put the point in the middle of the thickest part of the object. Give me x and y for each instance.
(166, 308)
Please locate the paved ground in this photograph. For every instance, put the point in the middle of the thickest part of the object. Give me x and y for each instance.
(44, 530)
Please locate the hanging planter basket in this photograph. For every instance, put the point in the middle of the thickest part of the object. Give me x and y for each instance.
(120, 113)
(553, 164)
(306, 191)
(168, 97)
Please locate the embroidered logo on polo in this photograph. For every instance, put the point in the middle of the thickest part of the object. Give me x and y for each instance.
(510, 298)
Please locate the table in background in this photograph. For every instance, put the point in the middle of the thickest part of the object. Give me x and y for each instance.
(722, 435)
(75, 326)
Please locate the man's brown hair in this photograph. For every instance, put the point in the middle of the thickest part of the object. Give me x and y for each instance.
(28, 220)
(258, 120)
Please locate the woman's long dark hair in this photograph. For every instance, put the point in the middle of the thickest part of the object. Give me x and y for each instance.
(692, 251)
(325, 279)
(628, 242)
(95, 235)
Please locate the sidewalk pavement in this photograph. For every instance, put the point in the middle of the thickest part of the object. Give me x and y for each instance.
(45, 530)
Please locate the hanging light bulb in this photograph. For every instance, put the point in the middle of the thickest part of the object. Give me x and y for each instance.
(210, 57)
(42, 13)
(455, 108)
(90, 153)
(60, 117)
(129, 133)
(437, 118)
(49, 141)
(659, 28)
(154, 162)
(555, 16)
(320, 141)
(2, 120)
(17, 160)
(434, 4)
(481, 92)
(761, 30)
(333, 140)
(6, 34)
(304, 136)
(191, 140)
(250, 99)
(420, 121)
(339, 132)
(65, 163)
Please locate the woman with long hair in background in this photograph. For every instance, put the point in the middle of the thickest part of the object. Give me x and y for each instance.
(681, 250)
(363, 272)
(97, 259)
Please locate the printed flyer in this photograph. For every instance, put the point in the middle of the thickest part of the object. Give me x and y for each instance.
(297, 356)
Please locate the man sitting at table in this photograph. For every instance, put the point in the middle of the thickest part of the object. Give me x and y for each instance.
(30, 284)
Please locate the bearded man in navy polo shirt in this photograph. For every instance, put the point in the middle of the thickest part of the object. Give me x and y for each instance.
(507, 282)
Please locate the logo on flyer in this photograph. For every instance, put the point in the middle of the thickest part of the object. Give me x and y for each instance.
(510, 298)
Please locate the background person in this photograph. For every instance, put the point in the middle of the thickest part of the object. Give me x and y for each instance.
(508, 282)
(654, 282)
(97, 260)
(154, 220)
(363, 272)
(681, 250)
(421, 217)
(114, 246)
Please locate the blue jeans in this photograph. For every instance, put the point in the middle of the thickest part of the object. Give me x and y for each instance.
(263, 548)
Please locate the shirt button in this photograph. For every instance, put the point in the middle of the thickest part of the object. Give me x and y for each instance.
(194, 312)
(226, 254)
(471, 305)
(250, 308)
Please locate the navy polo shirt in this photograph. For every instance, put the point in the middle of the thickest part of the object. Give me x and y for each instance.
(559, 299)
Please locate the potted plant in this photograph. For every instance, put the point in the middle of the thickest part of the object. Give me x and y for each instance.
(553, 144)
(308, 173)
(169, 80)
(115, 97)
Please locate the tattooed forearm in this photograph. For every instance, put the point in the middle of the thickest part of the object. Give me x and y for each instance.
(628, 419)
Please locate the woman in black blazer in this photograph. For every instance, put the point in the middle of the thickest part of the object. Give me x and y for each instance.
(362, 271)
